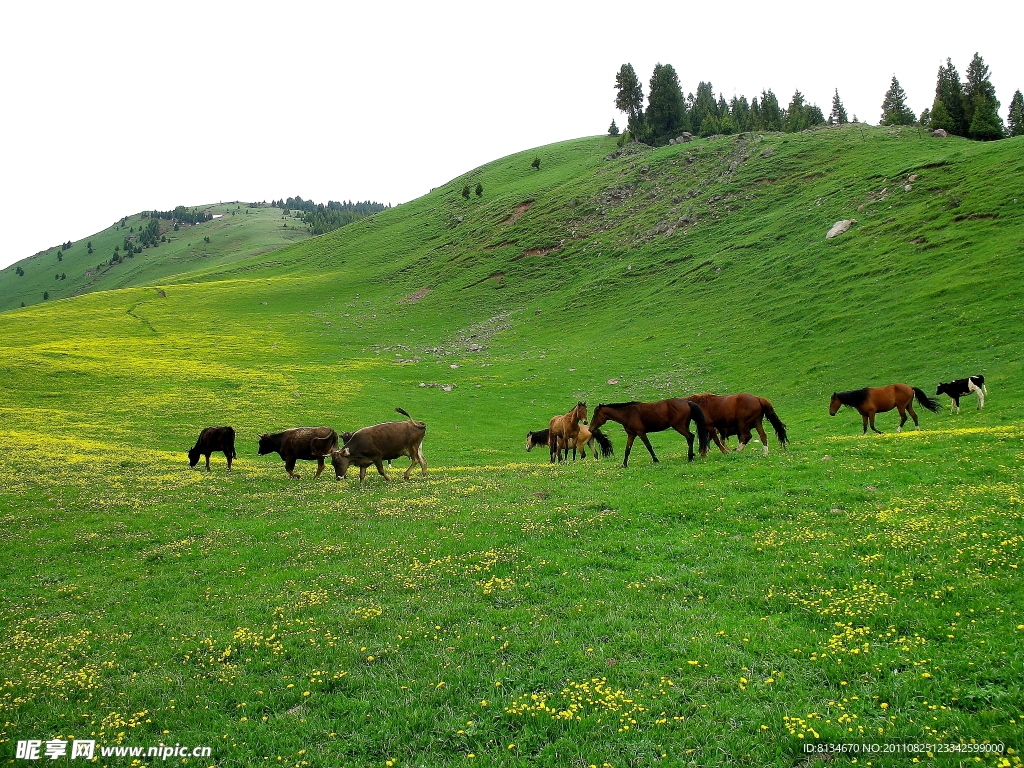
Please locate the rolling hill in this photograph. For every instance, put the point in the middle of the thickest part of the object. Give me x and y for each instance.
(503, 611)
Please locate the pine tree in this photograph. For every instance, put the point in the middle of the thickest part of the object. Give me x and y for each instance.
(704, 106)
(981, 107)
(894, 107)
(771, 113)
(613, 129)
(666, 109)
(1015, 120)
(838, 115)
(479, 189)
(948, 106)
(630, 98)
(926, 118)
(739, 112)
(796, 119)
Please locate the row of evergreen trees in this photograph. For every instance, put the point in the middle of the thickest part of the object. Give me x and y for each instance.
(969, 110)
(669, 113)
(181, 215)
(320, 218)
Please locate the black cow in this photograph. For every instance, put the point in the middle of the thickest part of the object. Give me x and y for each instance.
(306, 443)
(372, 446)
(960, 387)
(210, 440)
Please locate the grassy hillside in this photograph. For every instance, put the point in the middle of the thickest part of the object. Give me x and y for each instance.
(503, 611)
(237, 232)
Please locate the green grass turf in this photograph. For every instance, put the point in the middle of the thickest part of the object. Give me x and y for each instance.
(502, 611)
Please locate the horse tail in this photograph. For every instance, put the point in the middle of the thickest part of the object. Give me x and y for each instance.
(703, 437)
(606, 445)
(927, 402)
(776, 422)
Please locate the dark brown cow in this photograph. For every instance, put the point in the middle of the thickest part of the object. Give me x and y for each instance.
(372, 446)
(306, 443)
(210, 440)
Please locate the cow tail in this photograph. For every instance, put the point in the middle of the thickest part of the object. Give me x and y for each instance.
(927, 402)
(703, 437)
(404, 413)
(775, 421)
(606, 445)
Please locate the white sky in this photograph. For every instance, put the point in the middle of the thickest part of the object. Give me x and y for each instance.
(111, 107)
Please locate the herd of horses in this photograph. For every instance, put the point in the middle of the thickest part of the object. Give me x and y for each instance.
(718, 417)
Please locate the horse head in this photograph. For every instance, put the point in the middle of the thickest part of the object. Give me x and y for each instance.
(835, 405)
(599, 418)
(581, 410)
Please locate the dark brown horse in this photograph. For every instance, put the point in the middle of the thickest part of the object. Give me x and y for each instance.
(872, 400)
(736, 415)
(562, 430)
(641, 418)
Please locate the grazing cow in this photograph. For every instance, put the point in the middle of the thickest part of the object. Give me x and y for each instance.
(960, 387)
(306, 443)
(210, 440)
(372, 446)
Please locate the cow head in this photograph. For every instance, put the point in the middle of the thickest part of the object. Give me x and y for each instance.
(266, 446)
(193, 456)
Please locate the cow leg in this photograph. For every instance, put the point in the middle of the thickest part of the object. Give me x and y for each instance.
(979, 391)
(227, 455)
(319, 466)
(208, 462)
(380, 468)
(289, 465)
(362, 475)
(643, 436)
(423, 460)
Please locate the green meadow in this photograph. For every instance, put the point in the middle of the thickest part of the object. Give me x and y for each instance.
(741, 609)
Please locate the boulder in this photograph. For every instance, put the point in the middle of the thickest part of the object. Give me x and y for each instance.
(939, 133)
(839, 227)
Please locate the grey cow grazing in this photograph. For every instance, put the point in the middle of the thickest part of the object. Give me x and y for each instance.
(372, 446)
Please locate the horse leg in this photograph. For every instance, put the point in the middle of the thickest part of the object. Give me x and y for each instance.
(629, 446)
(643, 436)
(910, 408)
(718, 440)
(744, 438)
(764, 438)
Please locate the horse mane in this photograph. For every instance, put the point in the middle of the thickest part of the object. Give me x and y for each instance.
(619, 405)
(853, 397)
(702, 397)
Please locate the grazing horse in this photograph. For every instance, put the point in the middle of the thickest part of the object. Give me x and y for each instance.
(597, 442)
(872, 400)
(562, 429)
(960, 387)
(640, 418)
(735, 415)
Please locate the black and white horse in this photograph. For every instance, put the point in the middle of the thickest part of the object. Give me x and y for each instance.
(961, 387)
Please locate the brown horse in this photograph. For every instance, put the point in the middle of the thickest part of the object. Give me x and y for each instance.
(641, 418)
(871, 400)
(563, 429)
(597, 442)
(735, 415)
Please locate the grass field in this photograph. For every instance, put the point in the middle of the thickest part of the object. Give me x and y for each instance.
(502, 611)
